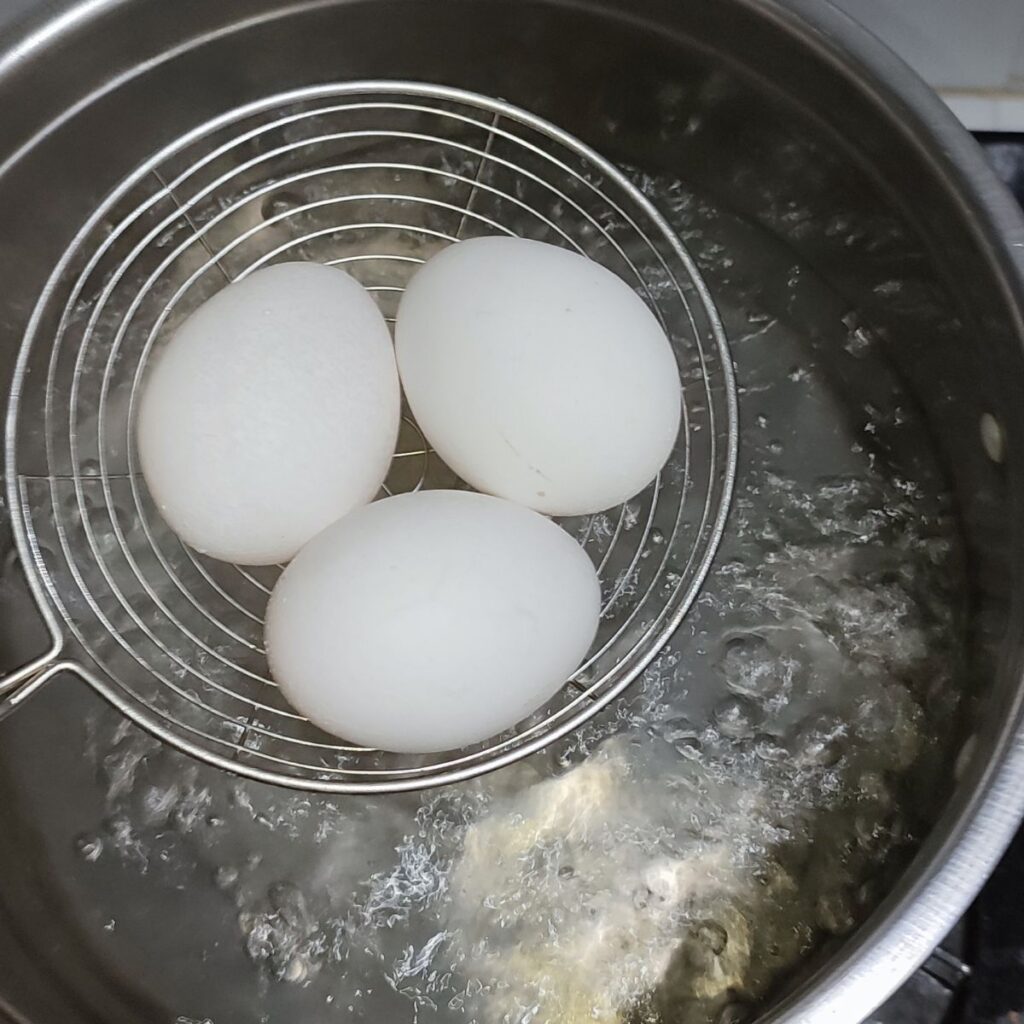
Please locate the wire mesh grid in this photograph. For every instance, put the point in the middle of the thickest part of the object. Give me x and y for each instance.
(373, 177)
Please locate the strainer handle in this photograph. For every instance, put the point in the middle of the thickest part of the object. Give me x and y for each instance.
(23, 682)
(20, 683)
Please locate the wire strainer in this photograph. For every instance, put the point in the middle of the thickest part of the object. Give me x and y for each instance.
(374, 177)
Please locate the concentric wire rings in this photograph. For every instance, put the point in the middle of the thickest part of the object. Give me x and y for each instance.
(374, 177)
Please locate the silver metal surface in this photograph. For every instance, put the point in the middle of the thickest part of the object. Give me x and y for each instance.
(794, 120)
(374, 177)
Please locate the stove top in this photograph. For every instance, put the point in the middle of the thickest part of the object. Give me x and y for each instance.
(977, 975)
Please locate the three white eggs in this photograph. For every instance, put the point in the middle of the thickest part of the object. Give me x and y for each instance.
(428, 621)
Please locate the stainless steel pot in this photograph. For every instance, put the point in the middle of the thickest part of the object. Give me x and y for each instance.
(790, 117)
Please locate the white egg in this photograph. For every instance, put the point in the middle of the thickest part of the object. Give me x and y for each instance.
(430, 621)
(538, 375)
(273, 411)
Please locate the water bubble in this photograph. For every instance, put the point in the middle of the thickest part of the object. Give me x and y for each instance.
(287, 899)
(279, 203)
(676, 729)
(733, 1013)
(876, 832)
(225, 876)
(671, 581)
(89, 847)
(834, 913)
(993, 437)
(736, 717)
(858, 342)
(690, 748)
(768, 749)
(818, 743)
(814, 592)
(867, 894)
(871, 785)
(712, 935)
(750, 665)
(296, 971)
(964, 757)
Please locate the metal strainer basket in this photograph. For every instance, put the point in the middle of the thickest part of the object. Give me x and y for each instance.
(374, 177)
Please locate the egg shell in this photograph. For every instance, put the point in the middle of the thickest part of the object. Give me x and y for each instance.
(538, 375)
(430, 621)
(273, 410)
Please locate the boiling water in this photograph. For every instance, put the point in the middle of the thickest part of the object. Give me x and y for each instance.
(689, 848)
